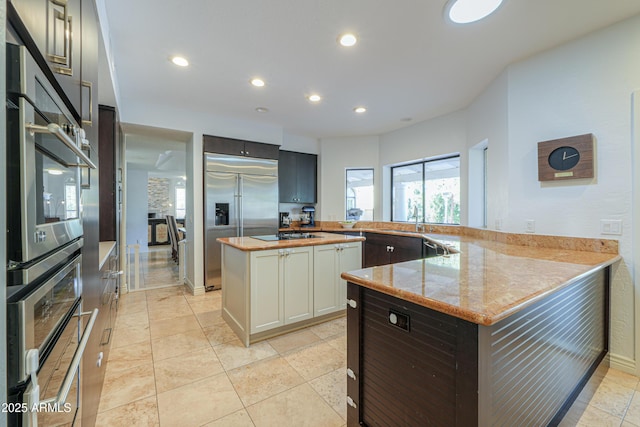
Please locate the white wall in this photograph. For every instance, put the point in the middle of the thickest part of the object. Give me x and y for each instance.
(487, 119)
(137, 208)
(336, 156)
(302, 144)
(582, 87)
(443, 135)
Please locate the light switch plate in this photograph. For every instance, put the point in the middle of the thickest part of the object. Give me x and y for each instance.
(611, 227)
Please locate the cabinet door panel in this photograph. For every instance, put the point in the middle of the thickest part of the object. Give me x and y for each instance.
(324, 279)
(266, 291)
(261, 150)
(375, 250)
(218, 144)
(298, 284)
(350, 258)
(405, 248)
(287, 179)
(307, 165)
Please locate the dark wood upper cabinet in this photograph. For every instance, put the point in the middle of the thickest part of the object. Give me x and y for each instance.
(52, 31)
(297, 177)
(108, 167)
(239, 147)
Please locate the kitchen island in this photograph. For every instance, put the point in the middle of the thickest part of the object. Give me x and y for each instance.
(497, 334)
(273, 287)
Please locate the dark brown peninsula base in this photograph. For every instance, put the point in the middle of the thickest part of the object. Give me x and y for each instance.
(409, 365)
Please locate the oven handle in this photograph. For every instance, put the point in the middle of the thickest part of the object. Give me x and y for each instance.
(61, 397)
(57, 131)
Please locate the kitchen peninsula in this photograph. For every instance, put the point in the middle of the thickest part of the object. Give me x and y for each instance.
(498, 334)
(272, 286)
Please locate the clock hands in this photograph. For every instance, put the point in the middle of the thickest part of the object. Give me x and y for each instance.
(565, 157)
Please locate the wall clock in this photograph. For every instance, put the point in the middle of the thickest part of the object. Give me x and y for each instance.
(566, 158)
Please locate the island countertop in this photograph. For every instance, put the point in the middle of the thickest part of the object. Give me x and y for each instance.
(486, 281)
(321, 238)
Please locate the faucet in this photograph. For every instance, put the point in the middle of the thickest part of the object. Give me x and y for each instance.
(415, 215)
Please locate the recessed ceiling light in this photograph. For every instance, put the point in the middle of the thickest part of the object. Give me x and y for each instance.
(180, 61)
(262, 110)
(467, 11)
(347, 39)
(314, 98)
(360, 110)
(257, 82)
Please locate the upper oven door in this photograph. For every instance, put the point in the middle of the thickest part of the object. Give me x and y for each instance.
(45, 211)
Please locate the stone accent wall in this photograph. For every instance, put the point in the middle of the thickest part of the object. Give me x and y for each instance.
(158, 196)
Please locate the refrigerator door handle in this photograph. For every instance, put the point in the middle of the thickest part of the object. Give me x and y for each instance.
(240, 207)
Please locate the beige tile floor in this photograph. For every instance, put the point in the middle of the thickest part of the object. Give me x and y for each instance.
(174, 362)
(157, 268)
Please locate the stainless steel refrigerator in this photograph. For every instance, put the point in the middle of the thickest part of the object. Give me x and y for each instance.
(241, 199)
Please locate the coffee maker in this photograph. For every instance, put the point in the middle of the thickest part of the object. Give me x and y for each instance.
(310, 212)
(285, 221)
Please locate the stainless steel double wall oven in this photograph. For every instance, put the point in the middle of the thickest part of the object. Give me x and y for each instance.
(46, 327)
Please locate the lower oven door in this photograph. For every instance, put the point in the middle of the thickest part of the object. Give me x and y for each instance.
(35, 320)
(53, 396)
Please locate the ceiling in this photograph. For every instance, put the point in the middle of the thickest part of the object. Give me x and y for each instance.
(409, 64)
(160, 152)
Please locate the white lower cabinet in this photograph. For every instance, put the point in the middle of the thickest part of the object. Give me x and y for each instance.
(267, 290)
(298, 284)
(329, 290)
(281, 287)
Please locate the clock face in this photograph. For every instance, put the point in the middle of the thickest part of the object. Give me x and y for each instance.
(564, 158)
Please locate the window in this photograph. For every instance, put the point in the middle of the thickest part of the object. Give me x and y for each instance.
(359, 192)
(428, 190)
(70, 200)
(181, 202)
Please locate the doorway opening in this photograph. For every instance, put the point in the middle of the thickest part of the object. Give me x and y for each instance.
(155, 195)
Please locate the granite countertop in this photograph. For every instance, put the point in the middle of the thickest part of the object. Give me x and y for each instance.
(104, 250)
(251, 244)
(486, 281)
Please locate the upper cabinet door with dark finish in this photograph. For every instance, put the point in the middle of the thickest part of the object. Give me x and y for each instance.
(297, 177)
(307, 166)
(55, 28)
(287, 177)
(238, 147)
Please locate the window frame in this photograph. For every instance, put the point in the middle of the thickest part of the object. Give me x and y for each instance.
(346, 188)
(422, 163)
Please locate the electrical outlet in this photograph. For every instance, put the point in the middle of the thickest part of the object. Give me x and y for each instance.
(530, 226)
(611, 226)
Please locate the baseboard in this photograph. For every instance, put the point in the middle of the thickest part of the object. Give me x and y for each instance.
(195, 290)
(624, 364)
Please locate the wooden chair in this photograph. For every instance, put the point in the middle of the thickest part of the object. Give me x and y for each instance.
(174, 237)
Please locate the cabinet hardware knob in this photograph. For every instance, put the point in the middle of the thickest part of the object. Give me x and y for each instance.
(352, 303)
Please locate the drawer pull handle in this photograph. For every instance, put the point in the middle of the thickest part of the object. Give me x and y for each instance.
(352, 303)
(351, 374)
(351, 403)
